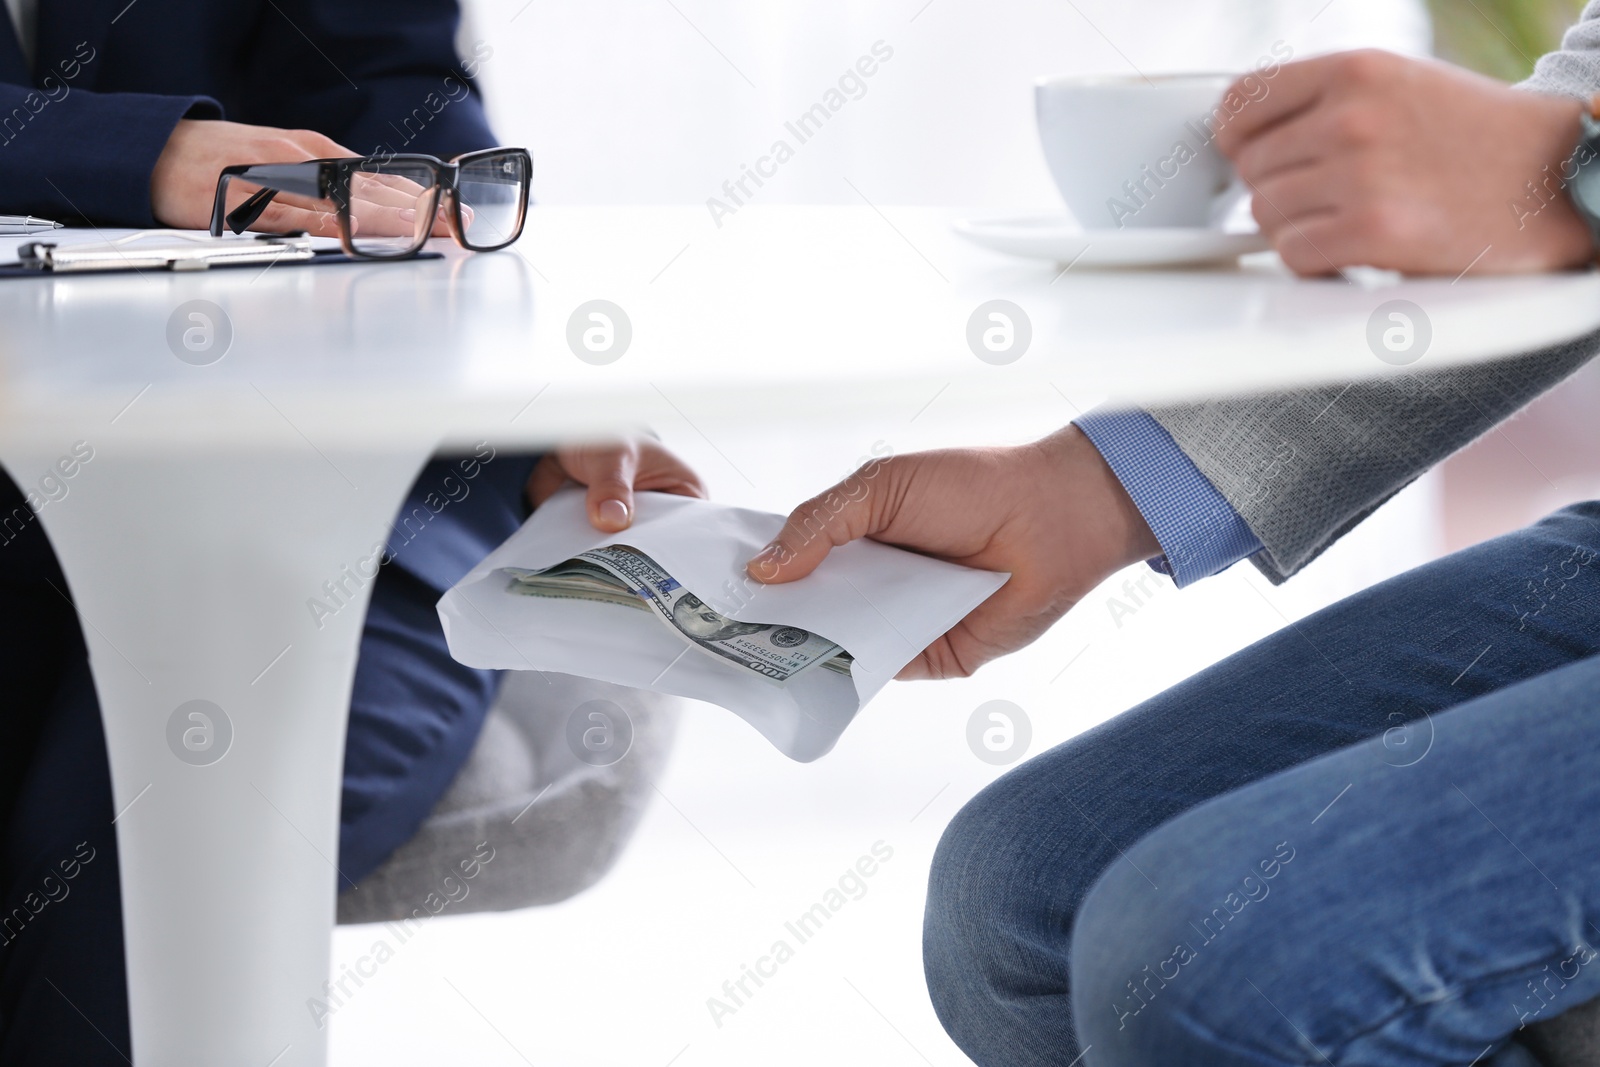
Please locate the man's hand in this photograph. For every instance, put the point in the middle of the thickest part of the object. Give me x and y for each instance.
(1368, 158)
(612, 471)
(184, 182)
(1052, 513)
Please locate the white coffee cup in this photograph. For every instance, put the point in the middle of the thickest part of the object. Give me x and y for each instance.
(1137, 152)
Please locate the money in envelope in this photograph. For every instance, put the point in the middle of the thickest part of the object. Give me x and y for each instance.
(666, 605)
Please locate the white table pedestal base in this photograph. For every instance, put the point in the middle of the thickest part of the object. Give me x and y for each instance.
(192, 576)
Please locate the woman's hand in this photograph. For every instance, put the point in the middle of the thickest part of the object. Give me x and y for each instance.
(613, 471)
(184, 182)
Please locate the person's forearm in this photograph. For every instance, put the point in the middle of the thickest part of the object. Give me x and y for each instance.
(69, 153)
(1303, 467)
(1199, 531)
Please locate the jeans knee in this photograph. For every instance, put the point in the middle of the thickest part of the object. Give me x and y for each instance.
(965, 895)
(1118, 995)
(1127, 982)
(971, 957)
(1005, 879)
(1157, 937)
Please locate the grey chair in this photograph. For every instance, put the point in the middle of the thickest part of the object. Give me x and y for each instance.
(555, 823)
(1571, 1039)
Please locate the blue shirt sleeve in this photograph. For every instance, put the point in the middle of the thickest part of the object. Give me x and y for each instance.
(1199, 531)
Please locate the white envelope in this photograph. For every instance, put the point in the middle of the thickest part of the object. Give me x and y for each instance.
(882, 604)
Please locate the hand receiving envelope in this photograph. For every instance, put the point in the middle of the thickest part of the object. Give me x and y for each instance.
(666, 605)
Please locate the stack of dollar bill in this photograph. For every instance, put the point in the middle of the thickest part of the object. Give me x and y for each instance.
(626, 577)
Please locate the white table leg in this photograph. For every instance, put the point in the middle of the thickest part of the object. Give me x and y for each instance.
(192, 577)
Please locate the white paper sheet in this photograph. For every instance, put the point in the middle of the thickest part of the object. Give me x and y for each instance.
(882, 604)
(101, 235)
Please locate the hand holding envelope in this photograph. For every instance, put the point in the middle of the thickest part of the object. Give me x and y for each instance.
(869, 608)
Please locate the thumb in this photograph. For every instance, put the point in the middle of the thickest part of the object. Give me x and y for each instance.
(610, 496)
(832, 518)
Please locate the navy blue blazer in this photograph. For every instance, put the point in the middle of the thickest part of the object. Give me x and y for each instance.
(80, 134)
(78, 139)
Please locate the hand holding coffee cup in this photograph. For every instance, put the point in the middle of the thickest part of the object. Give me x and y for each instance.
(1139, 152)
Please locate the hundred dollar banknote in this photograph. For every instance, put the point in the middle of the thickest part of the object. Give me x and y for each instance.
(624, 576)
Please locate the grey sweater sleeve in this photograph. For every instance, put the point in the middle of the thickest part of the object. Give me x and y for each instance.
(1303, 467)
(1574, 69)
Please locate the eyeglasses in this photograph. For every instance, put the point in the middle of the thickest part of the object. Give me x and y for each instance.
(387, 205)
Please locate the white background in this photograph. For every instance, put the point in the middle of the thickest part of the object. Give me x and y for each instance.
(650, 101)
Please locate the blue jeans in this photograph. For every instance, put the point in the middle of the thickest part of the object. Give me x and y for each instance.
(1370, 839)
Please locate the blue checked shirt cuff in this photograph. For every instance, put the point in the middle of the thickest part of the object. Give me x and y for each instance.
(1199, 531)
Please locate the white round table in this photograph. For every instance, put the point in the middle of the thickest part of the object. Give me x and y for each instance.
(223, 494)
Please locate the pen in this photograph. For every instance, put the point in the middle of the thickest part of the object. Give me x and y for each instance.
(13, 225)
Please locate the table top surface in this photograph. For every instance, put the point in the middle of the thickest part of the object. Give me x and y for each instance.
(777, 312)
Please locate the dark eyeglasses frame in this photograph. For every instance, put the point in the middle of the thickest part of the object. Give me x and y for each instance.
(329, 179)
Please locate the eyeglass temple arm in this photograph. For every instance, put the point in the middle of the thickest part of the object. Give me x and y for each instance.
(255, 205)
(304, 179)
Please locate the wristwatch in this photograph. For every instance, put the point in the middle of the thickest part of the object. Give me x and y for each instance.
(1583, 186)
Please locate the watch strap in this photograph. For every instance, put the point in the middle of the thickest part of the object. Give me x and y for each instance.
(1589, 119)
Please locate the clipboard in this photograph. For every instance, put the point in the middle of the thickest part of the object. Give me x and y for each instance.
(173, 250)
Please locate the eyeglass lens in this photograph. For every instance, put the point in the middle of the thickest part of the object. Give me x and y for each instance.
(393, 207)
(491, 188)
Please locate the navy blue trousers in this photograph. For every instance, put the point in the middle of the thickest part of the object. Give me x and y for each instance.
(415, 714)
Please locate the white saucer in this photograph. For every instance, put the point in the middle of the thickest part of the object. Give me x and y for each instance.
(1058, 238)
